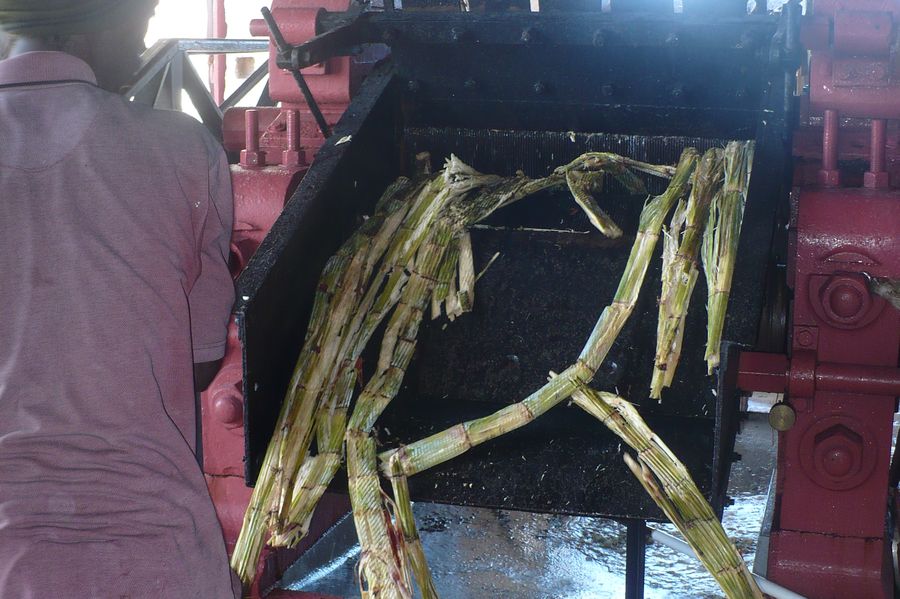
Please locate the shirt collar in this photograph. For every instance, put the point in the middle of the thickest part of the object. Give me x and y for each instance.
(39, 67)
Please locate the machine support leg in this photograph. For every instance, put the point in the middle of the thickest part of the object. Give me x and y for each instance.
(635, 553)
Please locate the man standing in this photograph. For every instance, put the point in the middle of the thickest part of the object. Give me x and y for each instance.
(114, 232)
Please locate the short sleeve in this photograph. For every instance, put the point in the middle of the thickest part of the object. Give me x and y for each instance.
(211, 298)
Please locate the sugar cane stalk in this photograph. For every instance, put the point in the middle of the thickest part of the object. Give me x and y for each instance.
(396, 353)
(383, 572)
(669, 483)
(681, 271)
(338, 285)
(415, 553)
(720, 242)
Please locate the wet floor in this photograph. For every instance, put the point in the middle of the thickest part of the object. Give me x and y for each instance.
(475, 552)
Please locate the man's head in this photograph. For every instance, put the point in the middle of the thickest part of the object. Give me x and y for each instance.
(107, 34)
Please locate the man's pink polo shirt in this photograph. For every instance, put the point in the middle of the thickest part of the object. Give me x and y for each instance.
(114, 232)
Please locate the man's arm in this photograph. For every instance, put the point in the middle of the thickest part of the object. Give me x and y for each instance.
(204, 372)
(212, 295)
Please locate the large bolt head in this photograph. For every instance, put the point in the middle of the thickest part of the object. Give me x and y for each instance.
(838, 452)
(845, 300)
(228, 407)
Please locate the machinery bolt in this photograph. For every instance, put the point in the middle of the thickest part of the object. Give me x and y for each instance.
(805, 338)
(228, 408)
(528, 35)
(539, 88)
(677, 91)
(830, 175)
(457, 34)
(877, 177)
(672, 39)
(607, 90)
(291, 156)
(413, 85)
(845, 299)
(837, 462)
(470, 84)
(837, 452)
(251, 155)
(599, 39)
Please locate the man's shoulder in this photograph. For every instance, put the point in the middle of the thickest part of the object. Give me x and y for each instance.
(179, 132)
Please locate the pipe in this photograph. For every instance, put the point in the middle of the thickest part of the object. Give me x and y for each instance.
(219, 30)
(858, 378)
(766, 586)
(772, 373)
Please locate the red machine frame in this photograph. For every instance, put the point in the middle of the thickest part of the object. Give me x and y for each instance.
(829, 536)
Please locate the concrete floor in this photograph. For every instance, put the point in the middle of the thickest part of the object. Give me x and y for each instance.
(479, 553)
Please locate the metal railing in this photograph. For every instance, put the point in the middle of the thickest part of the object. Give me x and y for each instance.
(166, 73)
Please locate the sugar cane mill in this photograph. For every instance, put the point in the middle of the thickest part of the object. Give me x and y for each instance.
(533, 257)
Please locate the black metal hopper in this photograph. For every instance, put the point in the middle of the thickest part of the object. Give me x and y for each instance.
(502, 103)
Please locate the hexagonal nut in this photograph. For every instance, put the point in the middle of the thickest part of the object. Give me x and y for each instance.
(838, 452)
(829, 178)
(876, 180)
(291, 158)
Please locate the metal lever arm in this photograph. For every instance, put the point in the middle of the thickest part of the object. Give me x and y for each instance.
(285, 51)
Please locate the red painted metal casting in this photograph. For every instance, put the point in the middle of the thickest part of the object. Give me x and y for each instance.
(841, 379)
(841, 374)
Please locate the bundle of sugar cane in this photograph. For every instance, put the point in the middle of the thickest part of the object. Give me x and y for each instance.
(337, 298)
(680, 268)
(360, 285)
(720, 242)
(300, 479)
(670, 485)
(434, 261)
(445, 445)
